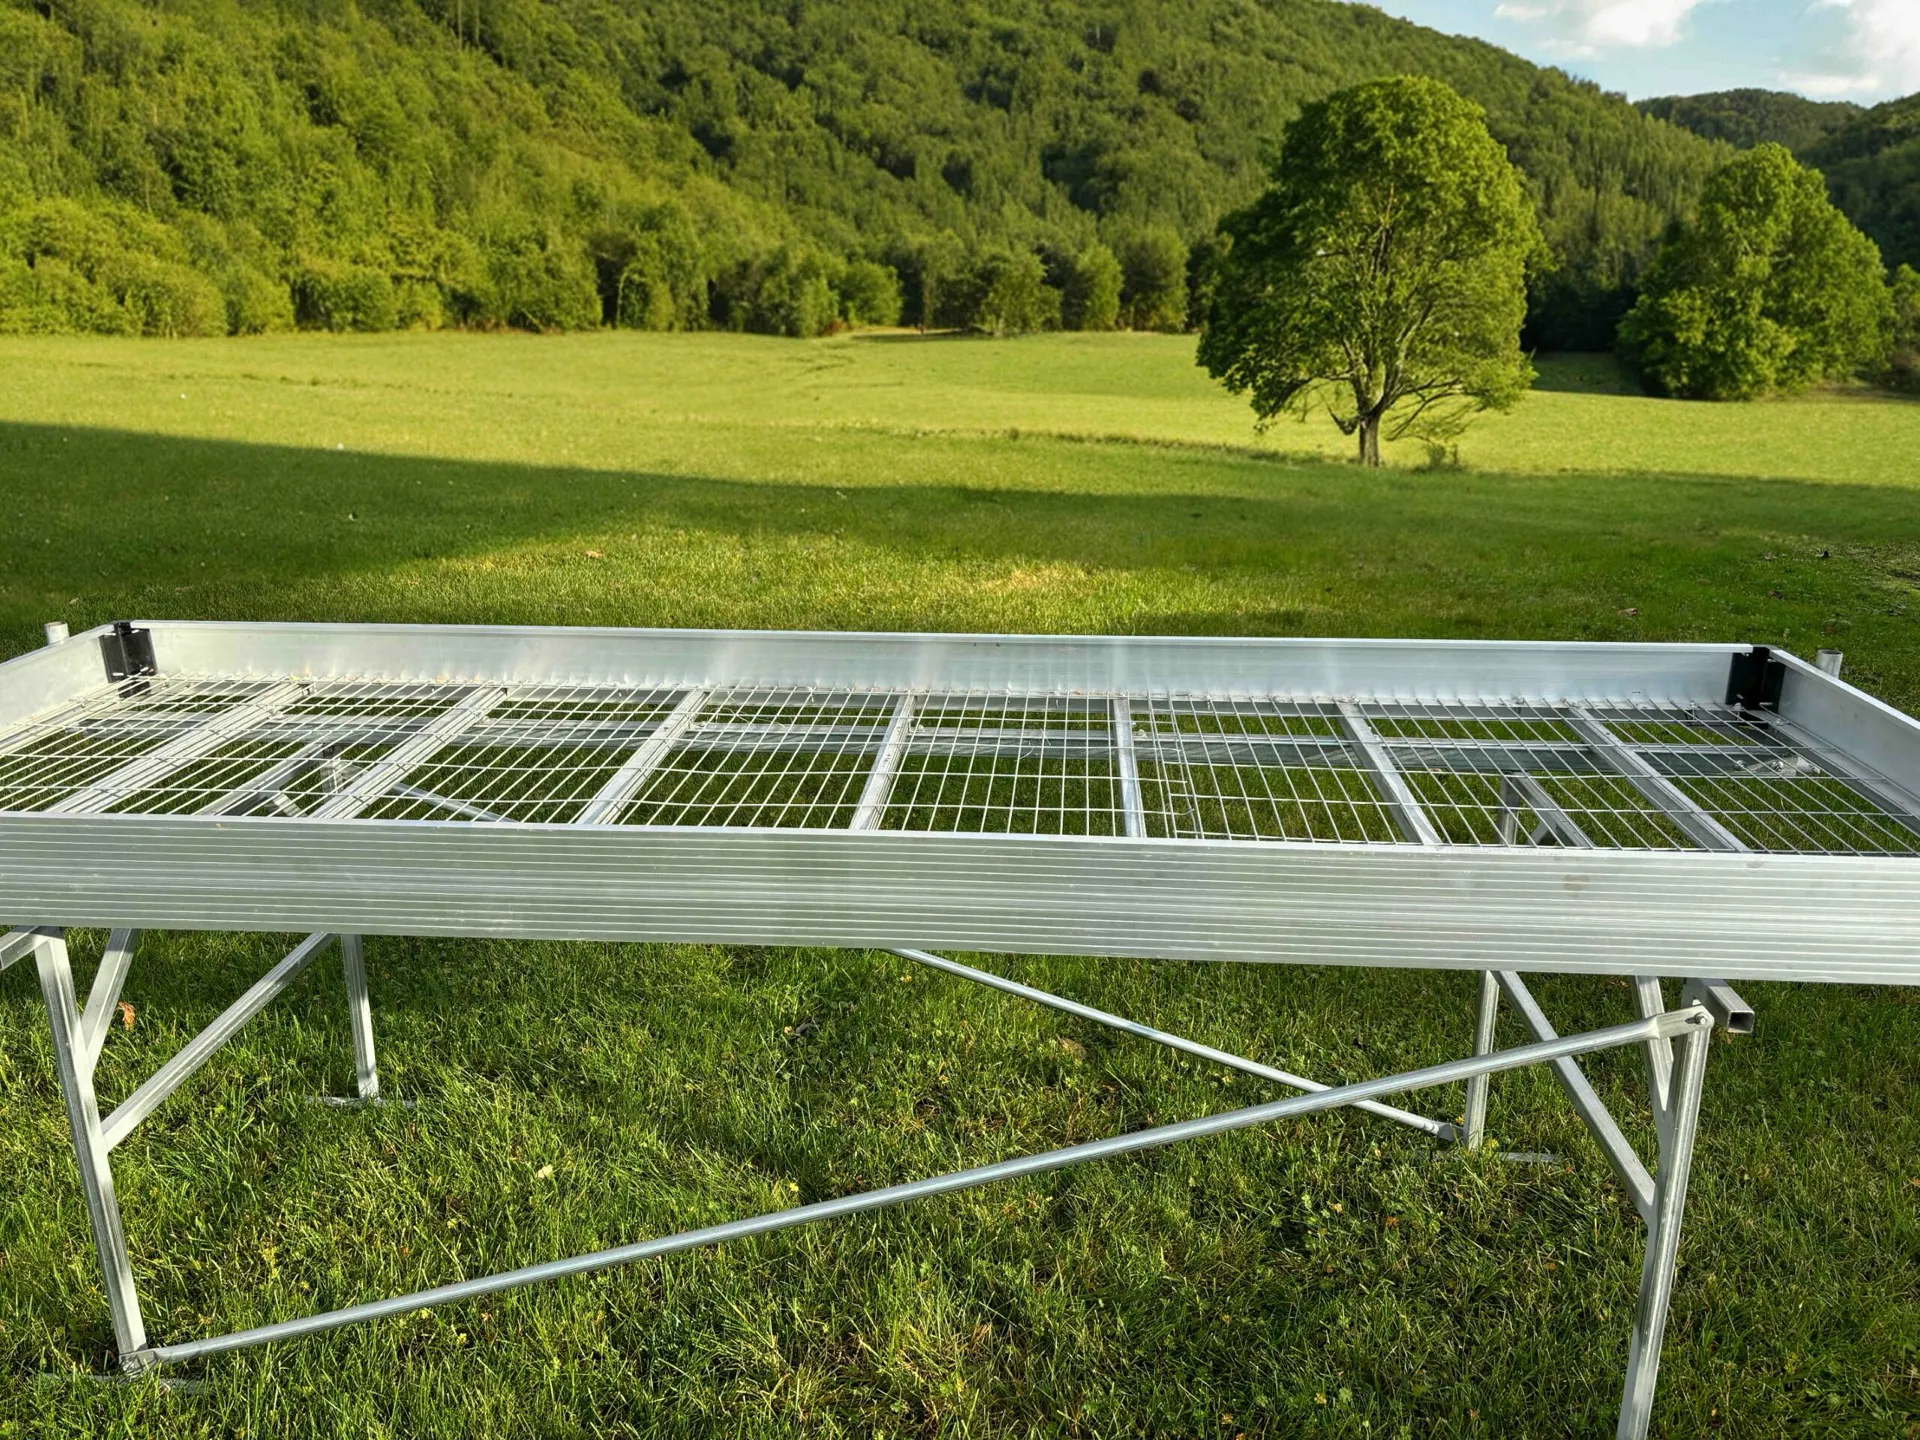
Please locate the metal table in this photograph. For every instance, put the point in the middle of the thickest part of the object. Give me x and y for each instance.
(1711, 813)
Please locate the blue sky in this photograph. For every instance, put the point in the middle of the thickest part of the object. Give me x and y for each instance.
(1864, 50)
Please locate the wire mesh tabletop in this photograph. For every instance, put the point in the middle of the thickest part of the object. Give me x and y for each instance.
(1168, 766)
(1707, 810)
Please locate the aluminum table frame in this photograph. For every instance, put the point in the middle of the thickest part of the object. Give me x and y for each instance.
(1639, 810)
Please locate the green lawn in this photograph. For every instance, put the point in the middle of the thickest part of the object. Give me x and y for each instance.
(1336, 1277)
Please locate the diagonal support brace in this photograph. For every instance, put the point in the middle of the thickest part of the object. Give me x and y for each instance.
(197, 1051)
(1678, 1022)
(1627, 1165)
(1439, 1129)
(104, 997)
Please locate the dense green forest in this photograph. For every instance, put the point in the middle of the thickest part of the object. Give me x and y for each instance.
(1872, 165)
(1745, 118)
(191, 166)
(1871, 158)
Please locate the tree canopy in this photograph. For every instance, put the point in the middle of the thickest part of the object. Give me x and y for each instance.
(1870, 158)
(1903, 362)
(183, 168)
(1872, 167)
(1384, 273)
(1769, 288)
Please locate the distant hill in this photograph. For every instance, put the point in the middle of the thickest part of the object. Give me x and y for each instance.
(1745, 118)
(213, 164)
(1871, 158)
(1872, 165)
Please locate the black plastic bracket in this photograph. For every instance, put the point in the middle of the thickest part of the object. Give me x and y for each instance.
(128, 652)
(1755, 680)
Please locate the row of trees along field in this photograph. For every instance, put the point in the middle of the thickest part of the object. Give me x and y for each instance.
(365, 164)
(1382, 278)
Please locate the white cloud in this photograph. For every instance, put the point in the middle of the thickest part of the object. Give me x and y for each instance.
(1879, 53)
(1583, 28)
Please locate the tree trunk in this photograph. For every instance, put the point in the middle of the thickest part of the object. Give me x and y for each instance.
(1370, 440)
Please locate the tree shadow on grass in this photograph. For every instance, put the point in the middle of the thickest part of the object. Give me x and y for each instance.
(914, 337)
(164, 527)
(1583, 374)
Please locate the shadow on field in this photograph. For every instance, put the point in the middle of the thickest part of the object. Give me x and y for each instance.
(1583, 375)
(106, 523)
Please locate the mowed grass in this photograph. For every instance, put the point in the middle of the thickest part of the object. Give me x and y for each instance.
(1337, 1277)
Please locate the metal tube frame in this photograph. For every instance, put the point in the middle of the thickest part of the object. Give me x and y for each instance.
(353, 965)
(1675, 1083)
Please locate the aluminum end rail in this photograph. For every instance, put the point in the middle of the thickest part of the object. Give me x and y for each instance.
(1690, 1020)
(1439, 1129)
(197, 1051)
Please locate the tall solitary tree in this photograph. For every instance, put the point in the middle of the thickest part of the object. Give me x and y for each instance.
(1384, 273)
(1769, 288)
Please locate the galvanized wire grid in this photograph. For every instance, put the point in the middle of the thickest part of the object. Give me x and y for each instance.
(1158, 766)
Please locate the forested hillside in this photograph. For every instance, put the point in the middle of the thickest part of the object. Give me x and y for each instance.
(1871, 158)
(190, 166)
(1745, 118)
(1872, 167)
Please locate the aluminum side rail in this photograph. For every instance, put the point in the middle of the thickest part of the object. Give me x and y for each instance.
(1548, 909)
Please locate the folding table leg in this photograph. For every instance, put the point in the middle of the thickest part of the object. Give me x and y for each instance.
(353, 961)
(1483, 1030)
(1647, 1000)
(89, 1148)
(1663, 1237)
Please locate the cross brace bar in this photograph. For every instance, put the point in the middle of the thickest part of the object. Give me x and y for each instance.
(1439, 1129)
(1693, 1020)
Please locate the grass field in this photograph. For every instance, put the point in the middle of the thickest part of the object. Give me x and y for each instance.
(1334, 1277)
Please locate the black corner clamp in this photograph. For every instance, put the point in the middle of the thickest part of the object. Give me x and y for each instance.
(1755, 680)
(128, 653)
